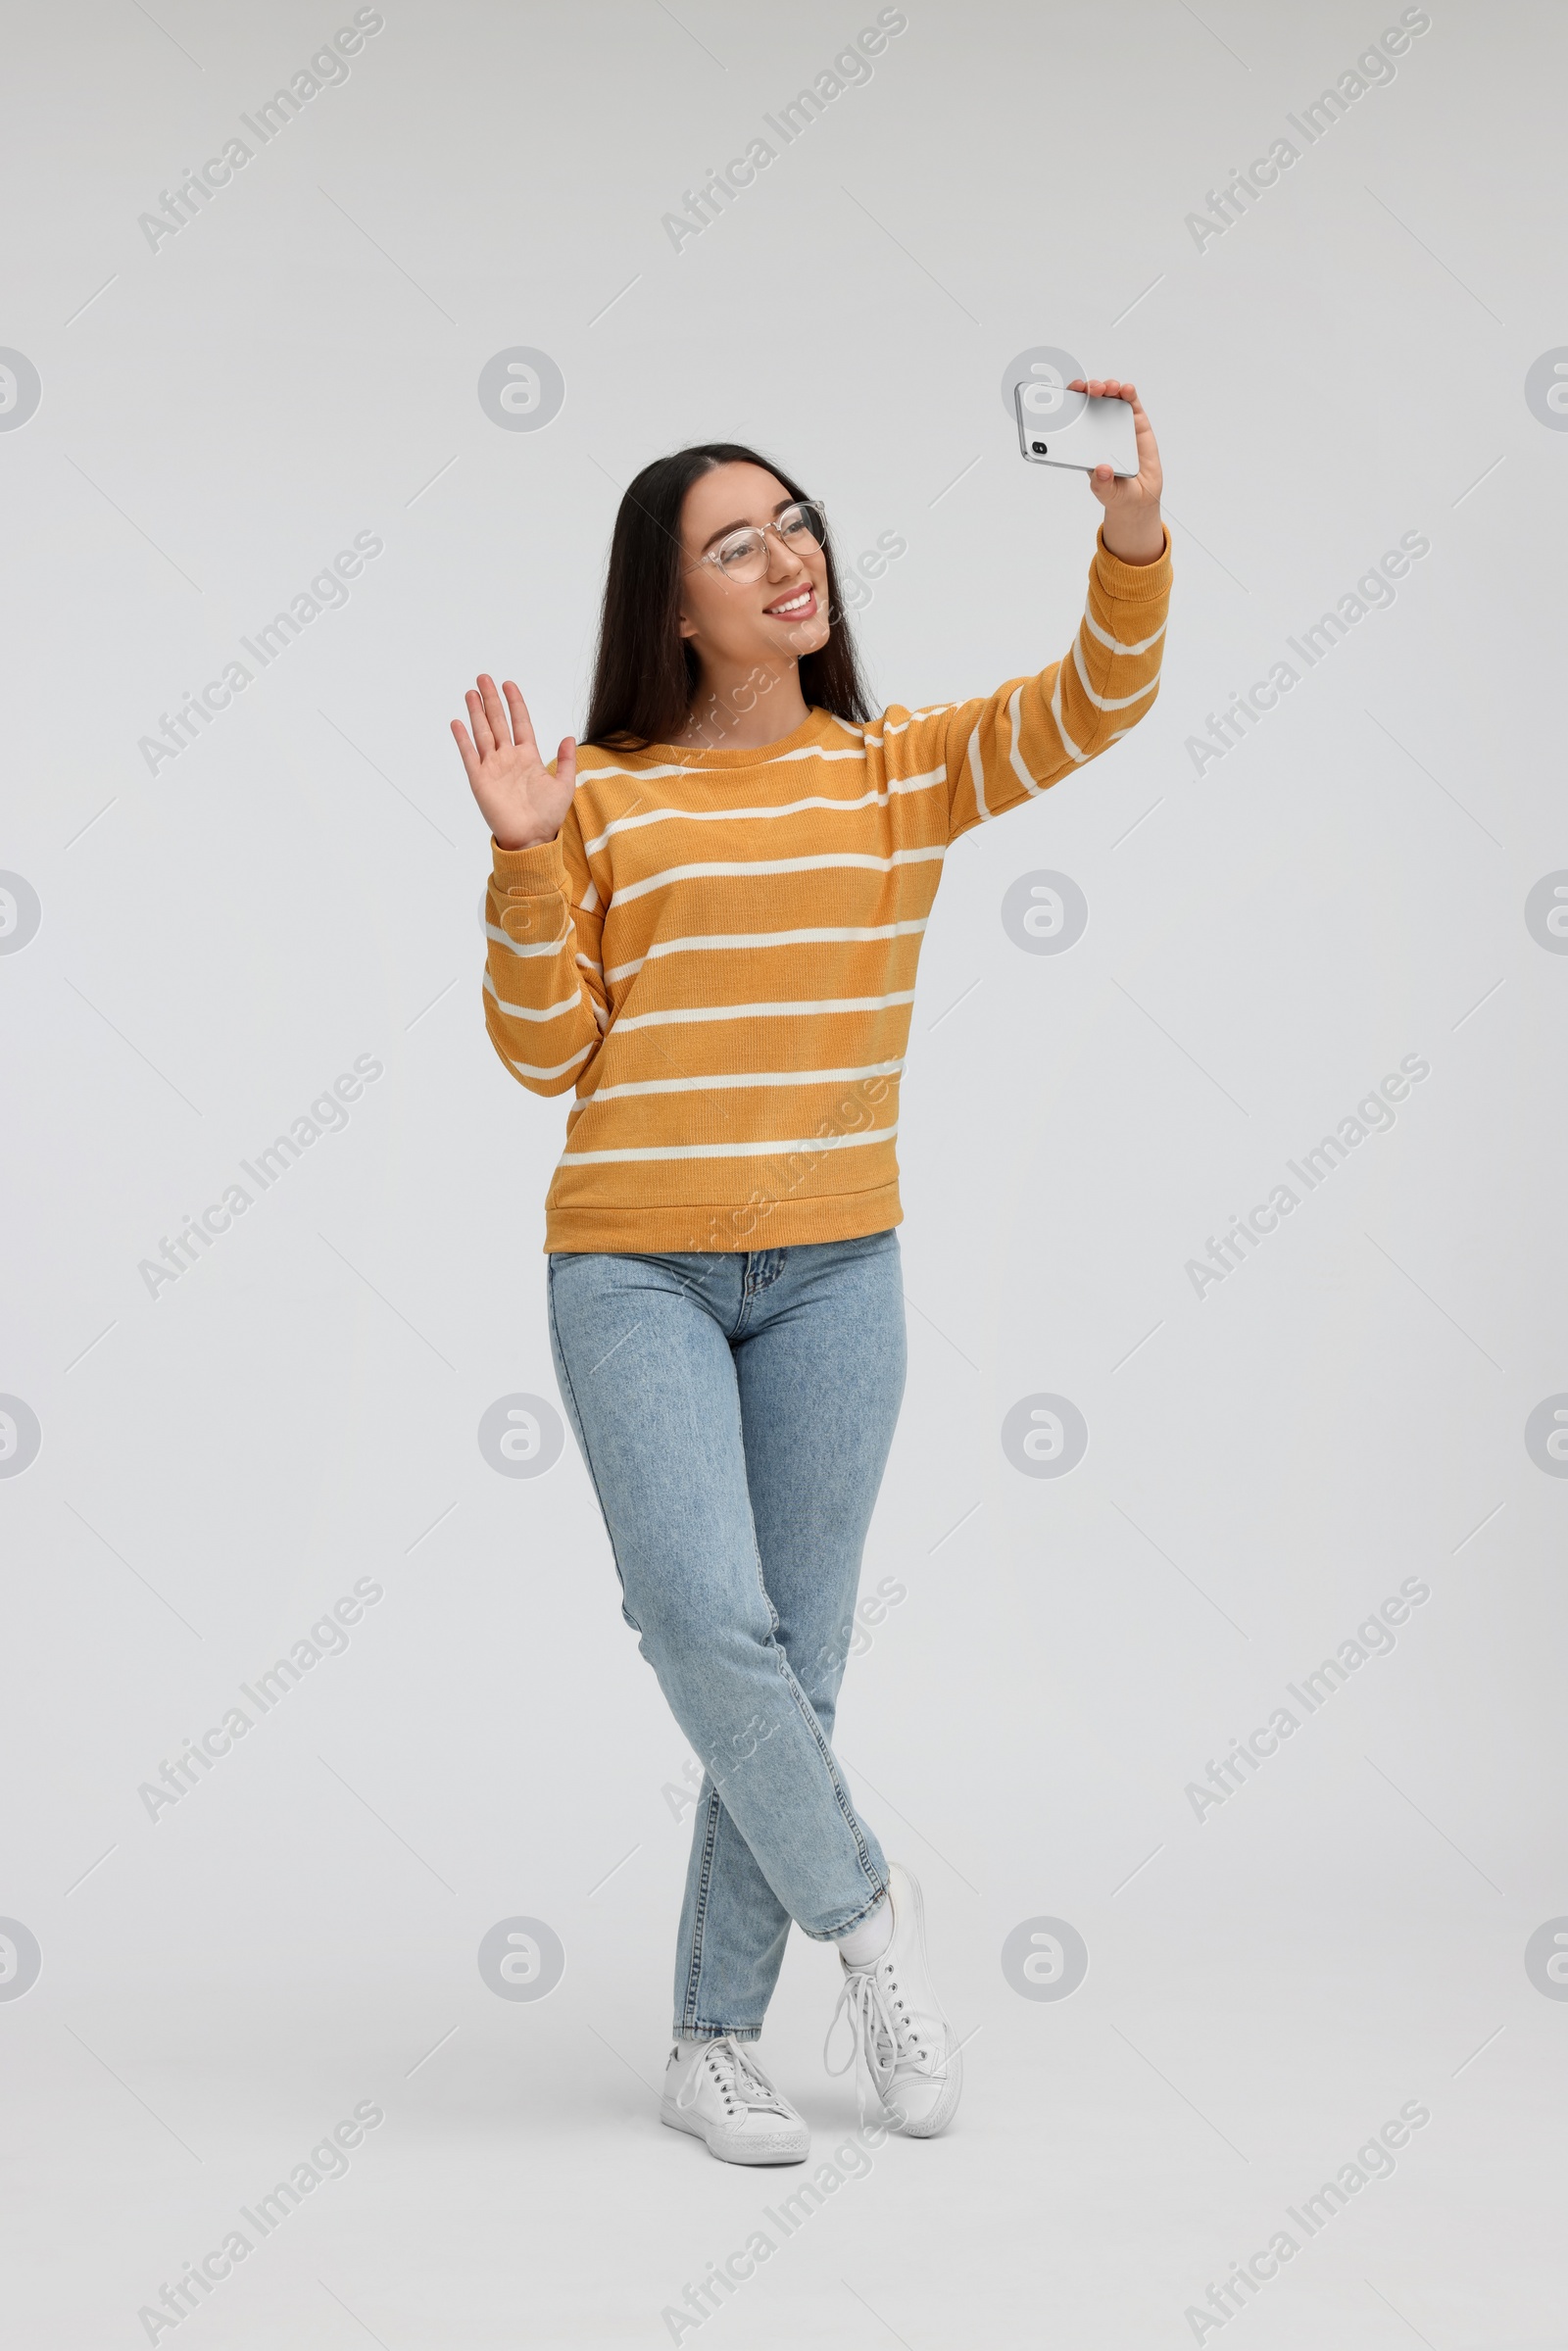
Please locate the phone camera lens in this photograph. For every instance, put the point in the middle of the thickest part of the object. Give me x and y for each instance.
(1037, 446)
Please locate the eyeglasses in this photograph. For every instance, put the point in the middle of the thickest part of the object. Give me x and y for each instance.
(742, 557)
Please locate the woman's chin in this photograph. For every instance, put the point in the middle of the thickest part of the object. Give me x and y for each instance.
(808, 636)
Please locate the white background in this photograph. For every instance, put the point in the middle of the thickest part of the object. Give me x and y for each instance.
(219, 1463)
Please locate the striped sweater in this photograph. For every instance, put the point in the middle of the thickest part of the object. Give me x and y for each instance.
(719, 948)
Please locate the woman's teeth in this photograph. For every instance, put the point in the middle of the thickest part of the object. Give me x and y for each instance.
(795, 604)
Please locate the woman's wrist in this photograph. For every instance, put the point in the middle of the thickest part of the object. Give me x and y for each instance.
(531, 841)
(1140, 541)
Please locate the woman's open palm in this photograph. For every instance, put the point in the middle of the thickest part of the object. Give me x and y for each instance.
(520, 799)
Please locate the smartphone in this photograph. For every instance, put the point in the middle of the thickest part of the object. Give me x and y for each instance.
(1058, 427)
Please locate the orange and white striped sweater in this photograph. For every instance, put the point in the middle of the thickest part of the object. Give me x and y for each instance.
(719, 948)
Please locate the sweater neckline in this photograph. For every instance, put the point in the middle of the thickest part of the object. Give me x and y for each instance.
(757, 755)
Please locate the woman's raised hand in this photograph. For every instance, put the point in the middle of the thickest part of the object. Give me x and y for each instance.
(1133, 527)
(521, 801)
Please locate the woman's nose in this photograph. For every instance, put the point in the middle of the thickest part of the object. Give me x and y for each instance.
(775, 540)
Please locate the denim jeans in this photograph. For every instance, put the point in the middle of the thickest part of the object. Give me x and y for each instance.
(735, 1410)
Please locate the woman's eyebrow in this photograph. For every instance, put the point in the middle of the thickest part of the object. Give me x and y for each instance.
(743, 524)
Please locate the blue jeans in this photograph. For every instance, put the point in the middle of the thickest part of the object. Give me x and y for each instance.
(735, 1410)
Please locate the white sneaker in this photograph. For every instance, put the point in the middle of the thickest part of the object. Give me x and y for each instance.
(897, 2023)
(721, 2095)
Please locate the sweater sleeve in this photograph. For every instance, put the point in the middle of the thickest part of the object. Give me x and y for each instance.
(545, 1003)
(1011, 745)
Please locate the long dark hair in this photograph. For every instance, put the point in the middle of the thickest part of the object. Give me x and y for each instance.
(645, 671)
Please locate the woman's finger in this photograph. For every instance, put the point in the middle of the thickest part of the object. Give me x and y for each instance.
(1149, 464)
(1105, 387)
(521, 724)
(469, 756)
(495, 710)
(482, 735)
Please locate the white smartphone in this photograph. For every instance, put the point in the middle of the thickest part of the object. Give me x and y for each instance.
(1058, 427)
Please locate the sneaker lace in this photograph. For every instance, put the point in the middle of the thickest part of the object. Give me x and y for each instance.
(884, 2031)
(741, 2081)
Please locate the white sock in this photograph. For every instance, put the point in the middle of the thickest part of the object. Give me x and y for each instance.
(685, 2046)
(870, 1938)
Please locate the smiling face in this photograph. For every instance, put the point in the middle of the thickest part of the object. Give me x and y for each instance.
(736, 626)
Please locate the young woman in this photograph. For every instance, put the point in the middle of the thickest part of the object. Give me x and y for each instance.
(706, 922)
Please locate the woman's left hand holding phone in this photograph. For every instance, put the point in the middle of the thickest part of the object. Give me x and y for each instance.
(1134, 529)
